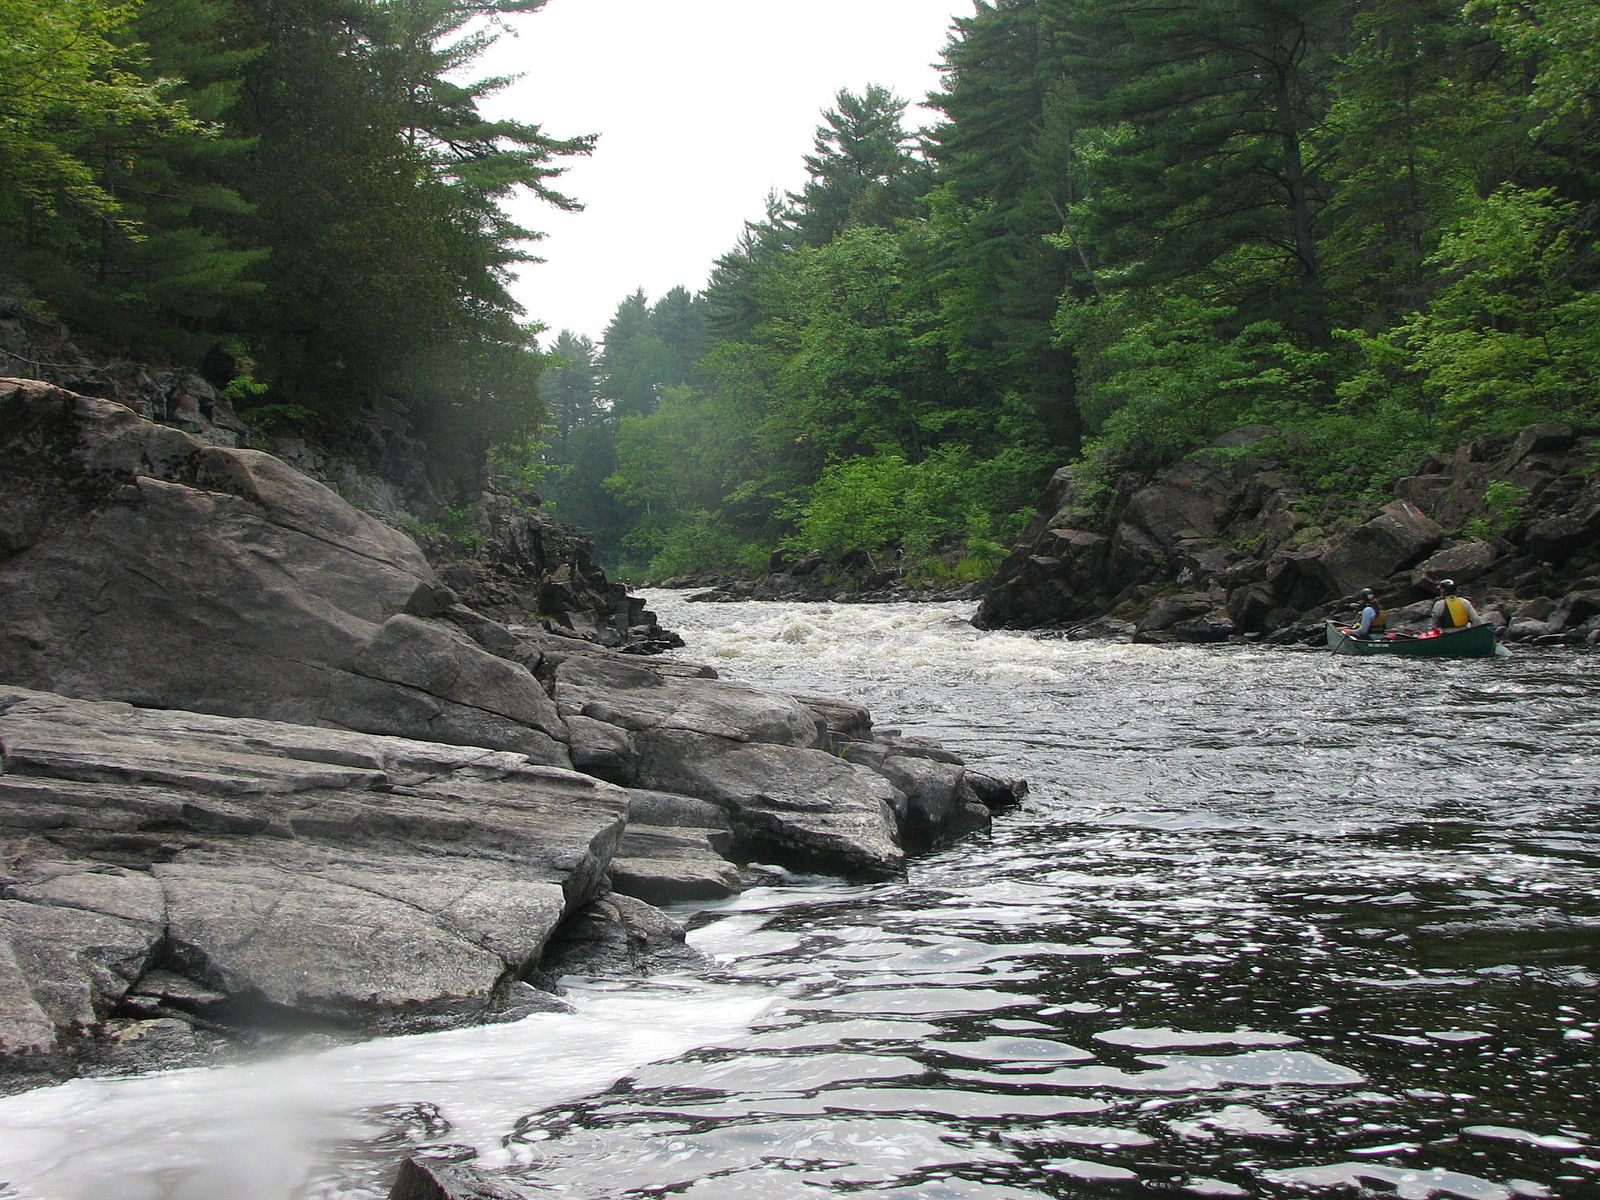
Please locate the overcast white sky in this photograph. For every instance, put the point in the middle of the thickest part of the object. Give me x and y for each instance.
(703, 107)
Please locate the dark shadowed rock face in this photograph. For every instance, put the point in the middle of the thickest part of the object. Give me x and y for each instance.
(1217, 546)
(260, 768)
(532, 567)
(142, 565)
(434, 1179)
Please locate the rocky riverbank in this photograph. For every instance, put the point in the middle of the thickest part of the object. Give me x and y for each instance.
(1224, 545)
(267, 774)
(496, 549)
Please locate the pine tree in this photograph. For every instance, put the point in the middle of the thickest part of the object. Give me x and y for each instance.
(1215, 180)
(862, 169)
(999, 274)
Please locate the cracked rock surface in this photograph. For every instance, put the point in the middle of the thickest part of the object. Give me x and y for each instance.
(261, 770)
(222, 867)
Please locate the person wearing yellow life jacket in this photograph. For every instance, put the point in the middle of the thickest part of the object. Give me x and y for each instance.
(1452, 612)
(1374, 617)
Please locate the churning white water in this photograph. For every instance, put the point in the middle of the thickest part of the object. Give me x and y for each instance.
(265, 1131)
(1270, 924)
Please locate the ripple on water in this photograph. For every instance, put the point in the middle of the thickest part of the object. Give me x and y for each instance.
(1268, 925)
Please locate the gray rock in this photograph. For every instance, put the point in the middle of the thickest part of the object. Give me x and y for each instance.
(664, 865)
(1234, 528)
(1400, 536)
(1166, 611)
(633, 695)
(147, 566)
(245, 867)
(938, 800)
(263, 767)
(430, 1179)
(1463, 562)
(622, 935)
(787, 804)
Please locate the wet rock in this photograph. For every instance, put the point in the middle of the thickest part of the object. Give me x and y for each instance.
(431, 1179)
(670, 864)
(618, 936)
(786, 804)
(938, 801)
(265, 771)
(1165, 612)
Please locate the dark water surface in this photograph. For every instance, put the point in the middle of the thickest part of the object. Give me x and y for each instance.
(1272, 923)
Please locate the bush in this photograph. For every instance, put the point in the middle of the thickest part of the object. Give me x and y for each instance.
(702, 542)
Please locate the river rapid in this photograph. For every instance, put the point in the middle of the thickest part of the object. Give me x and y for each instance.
(1271, 923)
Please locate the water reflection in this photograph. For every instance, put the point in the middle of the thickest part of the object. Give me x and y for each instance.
(1272, 924)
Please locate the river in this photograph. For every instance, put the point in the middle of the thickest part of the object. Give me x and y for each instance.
(1271, 923)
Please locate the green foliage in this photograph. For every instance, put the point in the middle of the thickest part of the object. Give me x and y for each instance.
(1133, 227)
(519, 466)
(1513, 336)
(884, 504)
(271, 420)
(460, 529)
(861, 504)
(862, 171)
(1506, 502)
(312, 183)
(243, 390)
(67, 72)
(696, 541)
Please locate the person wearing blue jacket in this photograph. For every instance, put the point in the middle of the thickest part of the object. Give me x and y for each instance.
(1374, 619)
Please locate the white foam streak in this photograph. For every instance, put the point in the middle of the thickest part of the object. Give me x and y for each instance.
(254, 1132)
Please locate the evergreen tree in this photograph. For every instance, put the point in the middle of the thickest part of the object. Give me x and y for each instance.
(862, 170)
(1215, 181)
(170, 270)
(379, 188)
(998, 274)
(569, 385)
(733, 303)
(679, 321)
(68, 72)
(633, 359)
(112, 200)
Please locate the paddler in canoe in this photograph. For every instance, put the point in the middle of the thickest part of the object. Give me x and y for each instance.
(1458, 631)
(1452, 612)
(1374, 618)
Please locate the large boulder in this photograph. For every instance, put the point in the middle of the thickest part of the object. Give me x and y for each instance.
(260, 766)
(141, 564)
(1398, 537)
(786, 804)
(1224, 543)
(1079, 563)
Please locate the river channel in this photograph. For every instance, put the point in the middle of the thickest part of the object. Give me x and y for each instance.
(1271, 923)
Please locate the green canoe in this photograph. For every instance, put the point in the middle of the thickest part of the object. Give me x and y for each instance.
(1476, 641)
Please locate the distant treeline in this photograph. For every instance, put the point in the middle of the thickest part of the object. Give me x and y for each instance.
(302, 194)
(1370, 224)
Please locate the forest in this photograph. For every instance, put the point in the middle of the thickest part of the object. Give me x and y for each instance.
(1369, 225)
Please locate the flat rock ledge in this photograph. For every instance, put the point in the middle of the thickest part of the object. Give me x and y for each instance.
(263, 774)
(176, 884)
